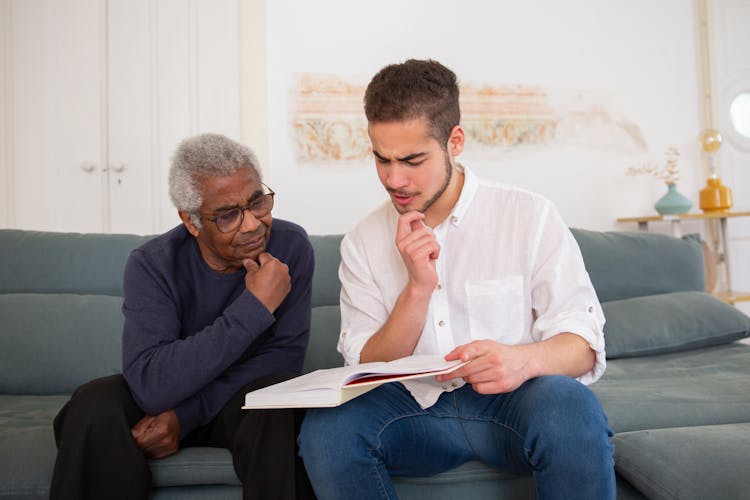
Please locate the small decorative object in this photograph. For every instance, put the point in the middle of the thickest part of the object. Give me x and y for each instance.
(715, 197)
(673, 202)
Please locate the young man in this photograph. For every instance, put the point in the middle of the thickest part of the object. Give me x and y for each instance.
(216, 307)
(476, 271)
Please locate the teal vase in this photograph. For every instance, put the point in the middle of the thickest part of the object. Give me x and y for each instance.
(673, 202)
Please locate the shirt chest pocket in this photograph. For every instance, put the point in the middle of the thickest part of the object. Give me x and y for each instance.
(495, 309)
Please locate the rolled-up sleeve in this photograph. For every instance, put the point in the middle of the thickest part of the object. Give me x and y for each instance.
(563, 298)
(363, 311)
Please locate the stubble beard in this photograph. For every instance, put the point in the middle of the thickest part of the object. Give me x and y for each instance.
(438, 193)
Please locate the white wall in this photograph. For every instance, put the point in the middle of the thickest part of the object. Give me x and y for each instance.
(636, 58)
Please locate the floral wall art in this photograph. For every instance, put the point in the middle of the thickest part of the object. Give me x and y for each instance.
(328, 123)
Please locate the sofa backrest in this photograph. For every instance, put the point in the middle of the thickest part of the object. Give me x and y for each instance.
(61, 297)
(48, 262)
(326, 320)
(60, 308)
(622, 264)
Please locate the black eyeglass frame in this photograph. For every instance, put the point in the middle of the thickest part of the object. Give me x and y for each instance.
(242, 211)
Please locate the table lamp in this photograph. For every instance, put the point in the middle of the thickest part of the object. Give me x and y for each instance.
(715, 197)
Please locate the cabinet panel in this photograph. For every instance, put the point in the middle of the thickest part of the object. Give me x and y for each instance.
(57, 114)
(131, 127)
(197, 82)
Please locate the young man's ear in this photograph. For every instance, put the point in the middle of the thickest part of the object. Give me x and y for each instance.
(189, 224)
(456, 141)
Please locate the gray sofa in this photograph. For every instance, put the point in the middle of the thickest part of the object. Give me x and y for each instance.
(677, 387)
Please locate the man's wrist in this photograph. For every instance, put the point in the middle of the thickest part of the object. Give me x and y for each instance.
(417, 293)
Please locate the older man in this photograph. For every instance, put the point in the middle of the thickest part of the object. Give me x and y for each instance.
(215, 307)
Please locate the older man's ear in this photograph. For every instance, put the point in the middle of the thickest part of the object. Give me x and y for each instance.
(189, 224)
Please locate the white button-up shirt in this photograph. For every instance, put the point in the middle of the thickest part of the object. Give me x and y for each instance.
(509, 270)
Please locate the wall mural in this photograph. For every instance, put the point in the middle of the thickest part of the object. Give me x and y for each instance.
(328, 122)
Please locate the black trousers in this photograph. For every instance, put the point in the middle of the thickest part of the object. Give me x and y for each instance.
(98, 458)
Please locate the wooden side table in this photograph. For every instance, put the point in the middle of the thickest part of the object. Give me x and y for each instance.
(730, 296)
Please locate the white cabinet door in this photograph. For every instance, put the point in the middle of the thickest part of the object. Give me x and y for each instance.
(54, 65)
(131, 126)
(96, 94)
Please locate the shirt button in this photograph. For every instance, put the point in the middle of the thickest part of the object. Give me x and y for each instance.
(439, 286)
(454, 384)
(445, 387)
(591, 309)
(441, 323)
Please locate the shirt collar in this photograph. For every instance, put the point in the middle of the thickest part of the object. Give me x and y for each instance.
(469, 189)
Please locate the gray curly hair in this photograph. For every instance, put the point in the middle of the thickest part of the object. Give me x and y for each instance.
(202, 156)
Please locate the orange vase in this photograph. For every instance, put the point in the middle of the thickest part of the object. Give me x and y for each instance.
(715, 197)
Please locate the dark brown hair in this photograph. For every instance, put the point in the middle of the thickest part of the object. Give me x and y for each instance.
(415, 89)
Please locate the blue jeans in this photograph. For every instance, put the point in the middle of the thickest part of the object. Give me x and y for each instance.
(551, 427)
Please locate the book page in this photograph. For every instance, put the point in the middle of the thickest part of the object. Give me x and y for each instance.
(330, 387)
(411, 365)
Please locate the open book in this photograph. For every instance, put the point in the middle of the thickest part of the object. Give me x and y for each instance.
(336, 386)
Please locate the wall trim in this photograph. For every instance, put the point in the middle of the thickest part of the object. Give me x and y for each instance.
(6, 127)
(253, 64)
(104, 162)
(157, 180)
(193, 67)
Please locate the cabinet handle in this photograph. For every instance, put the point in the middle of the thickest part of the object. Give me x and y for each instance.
(88, 167)
(118, 167)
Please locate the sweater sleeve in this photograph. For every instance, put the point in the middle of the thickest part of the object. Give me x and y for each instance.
(196, 373)
(281, 351)
(161, 365)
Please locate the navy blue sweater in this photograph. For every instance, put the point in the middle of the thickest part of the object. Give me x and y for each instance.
(193, 337)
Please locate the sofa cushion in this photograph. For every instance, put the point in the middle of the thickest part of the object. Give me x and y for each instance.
(324, 335)
(36, 261)
(628, 264)
(27, 452)
(27, 444)
(326, 285)
(197, 492)
(473, 479)
(698, 387)
(686, 462)
(669, 322)
(195, 465)
(52, 343)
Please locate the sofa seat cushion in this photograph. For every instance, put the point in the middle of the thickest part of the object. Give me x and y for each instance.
(686, 462)
(700, 387)
(27, 444)
(676, 321)
(191, 466)
(27, 452)
(472, 480)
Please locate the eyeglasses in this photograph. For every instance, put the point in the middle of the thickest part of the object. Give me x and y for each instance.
(231, 219)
